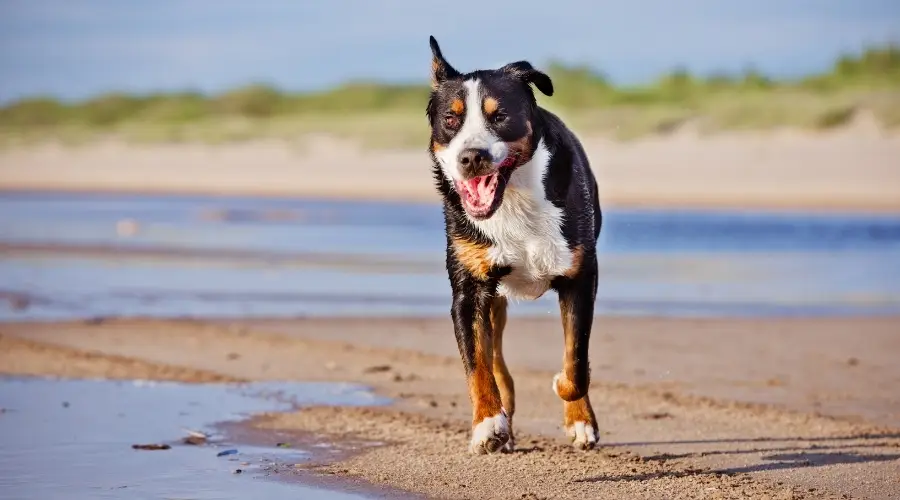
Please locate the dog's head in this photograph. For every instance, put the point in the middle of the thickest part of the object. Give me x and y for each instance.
(484, 125)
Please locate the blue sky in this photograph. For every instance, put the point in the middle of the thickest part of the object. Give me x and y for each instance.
(73, 49)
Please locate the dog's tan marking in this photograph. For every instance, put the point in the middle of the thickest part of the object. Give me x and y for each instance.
(436, 147)
(578, 411)
(486, 399)
(473, 256)
(490, 106)
(435, 67)
(501, 374)
(457, 106)
(577, 258)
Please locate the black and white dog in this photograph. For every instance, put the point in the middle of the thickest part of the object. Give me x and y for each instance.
(522, 216)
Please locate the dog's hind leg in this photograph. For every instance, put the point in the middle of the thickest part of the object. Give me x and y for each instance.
(501, 373)
(576, 304)
(471, 313)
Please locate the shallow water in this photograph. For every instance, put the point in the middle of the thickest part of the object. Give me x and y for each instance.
(61, 257)
(71, 439)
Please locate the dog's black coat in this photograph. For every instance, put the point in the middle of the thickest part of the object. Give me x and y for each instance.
(569, 185)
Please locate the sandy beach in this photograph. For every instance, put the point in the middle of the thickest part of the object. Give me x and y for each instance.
(800, 408)
(852, 168)
(769, 408)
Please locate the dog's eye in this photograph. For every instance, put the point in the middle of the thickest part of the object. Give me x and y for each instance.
(451, 121)
(498, 117)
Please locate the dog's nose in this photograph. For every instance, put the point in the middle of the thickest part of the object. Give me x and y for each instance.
(473, 157)
(473, 160)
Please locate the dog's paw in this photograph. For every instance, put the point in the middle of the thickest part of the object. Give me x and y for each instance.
(510, 445)
(490, 434)
(582, 434)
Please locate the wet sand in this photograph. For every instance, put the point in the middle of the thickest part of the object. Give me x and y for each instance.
(800, 408)
(850, 168)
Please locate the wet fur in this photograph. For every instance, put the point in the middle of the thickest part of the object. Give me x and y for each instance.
(542, 235)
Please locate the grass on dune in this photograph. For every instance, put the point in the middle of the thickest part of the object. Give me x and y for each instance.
(393, 115)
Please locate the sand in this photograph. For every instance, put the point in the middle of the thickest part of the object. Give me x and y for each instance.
(801, 408)
(852, 168)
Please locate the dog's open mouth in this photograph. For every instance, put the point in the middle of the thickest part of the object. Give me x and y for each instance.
(482, 195)
(478, 194)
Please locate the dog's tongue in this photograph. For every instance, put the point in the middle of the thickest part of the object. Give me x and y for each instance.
(479, 190)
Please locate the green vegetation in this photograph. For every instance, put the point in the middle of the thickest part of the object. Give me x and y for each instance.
(393, 115)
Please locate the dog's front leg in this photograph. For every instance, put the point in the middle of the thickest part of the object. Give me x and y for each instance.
(472, 324)
(576, 304)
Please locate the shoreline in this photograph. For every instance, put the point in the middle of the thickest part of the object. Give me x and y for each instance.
(659, 435)
(251, 431)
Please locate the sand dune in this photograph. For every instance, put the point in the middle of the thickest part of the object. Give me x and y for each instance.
(853, 168)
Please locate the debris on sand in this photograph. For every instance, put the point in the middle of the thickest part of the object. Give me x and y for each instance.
(194, 440)
(283, 445)
(226, 452)
(195, 437)
(405, 378)
(377, 369)
(150, 446)
(657, 415)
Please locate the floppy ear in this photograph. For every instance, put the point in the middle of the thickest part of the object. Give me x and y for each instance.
(440, 68)
(524, 71)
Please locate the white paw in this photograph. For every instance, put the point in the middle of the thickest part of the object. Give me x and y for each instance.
(490, 434)
(582, 434)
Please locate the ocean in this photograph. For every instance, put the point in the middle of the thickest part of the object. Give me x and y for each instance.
(80, 256)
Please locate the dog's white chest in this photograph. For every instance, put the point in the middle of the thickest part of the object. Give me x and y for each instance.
(527, 236)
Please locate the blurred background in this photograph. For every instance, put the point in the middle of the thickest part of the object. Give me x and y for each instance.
(267, 159)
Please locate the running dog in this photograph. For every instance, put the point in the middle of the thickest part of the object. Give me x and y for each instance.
(522, 216)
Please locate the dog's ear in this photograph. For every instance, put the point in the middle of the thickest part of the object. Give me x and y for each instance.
(440, 68)
(524, 71)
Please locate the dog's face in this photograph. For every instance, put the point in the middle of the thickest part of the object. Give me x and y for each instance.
(483, 127)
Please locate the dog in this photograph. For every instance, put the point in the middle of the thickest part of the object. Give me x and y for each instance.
(522, 216)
